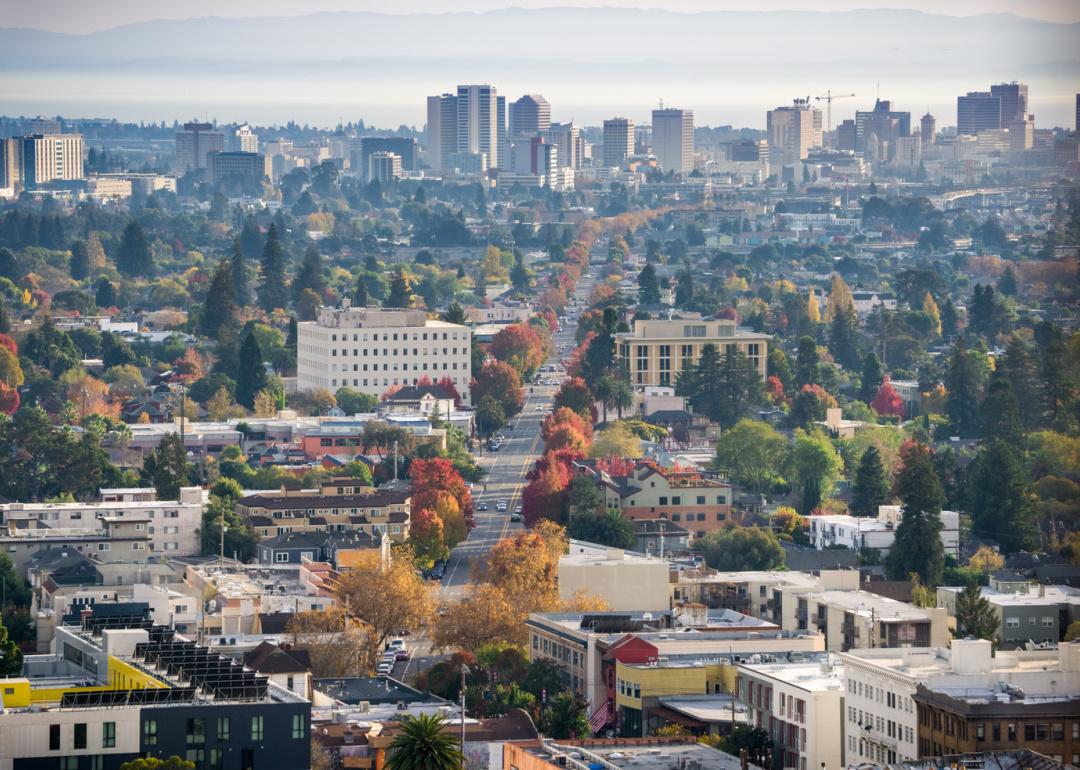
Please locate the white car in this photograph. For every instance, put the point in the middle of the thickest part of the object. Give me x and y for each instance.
(397, 644)
(501, 505)
(384, 669)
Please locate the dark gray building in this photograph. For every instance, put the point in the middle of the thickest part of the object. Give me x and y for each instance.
(404, 147)
(977, 111)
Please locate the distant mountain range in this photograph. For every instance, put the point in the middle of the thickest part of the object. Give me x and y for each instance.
(738, 42)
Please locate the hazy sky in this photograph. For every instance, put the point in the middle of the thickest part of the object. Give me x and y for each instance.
(81, 16)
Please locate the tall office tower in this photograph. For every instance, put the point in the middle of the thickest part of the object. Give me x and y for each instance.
(194, 143)
(43, 126)
(928, 129)
(10, 162)
(793, 130)
(1022, 133)
(845, 135)
(51, 157)
(500, 122)
(245, 140)
(1014, 101)
(882, 122)
(673, 139)
(441, 133)
(244, 168)
(565, 136)
(529, 115)
(977, 111)
(478, 122)
(618, 141)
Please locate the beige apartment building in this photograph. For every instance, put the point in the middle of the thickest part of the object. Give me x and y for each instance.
(373, 349)
(655, 351)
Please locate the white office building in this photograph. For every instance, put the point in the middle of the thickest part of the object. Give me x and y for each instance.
(373, 349)
(480, 125)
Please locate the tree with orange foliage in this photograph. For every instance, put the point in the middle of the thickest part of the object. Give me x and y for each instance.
(545, 496)
(503, 383)
(520, 346)
(567, 437)
(565, 416)
(91, 396)
(888, 401)
(189, 366)
(9, 399)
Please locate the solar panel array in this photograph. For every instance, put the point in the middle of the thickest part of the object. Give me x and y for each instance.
(110, 698)
(215, 674)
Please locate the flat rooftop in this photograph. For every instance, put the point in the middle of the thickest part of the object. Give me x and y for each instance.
(663, 756)
(864, 602)
(813, 677)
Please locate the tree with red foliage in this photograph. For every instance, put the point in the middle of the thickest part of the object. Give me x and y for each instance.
(435, 477)
(774, 389)
(502, 382)
(728, 313)
(545, 496)
(10, 344)
(448, 385)
(616, 466)
(567, 437)
(9, 399)
(564, 416)
(390, 392)
(520, 346)
(573, 362)
(888, 401)
(575, 395)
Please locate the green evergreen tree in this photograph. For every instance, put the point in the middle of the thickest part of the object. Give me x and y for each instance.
(1001, 506)
(1017, 366)
(5, 320)
(251, 376)
(455, 314)
(105, 293)
(166, 468)
(1057, 391)
(1006, 284)
(684, 288)
(872, 377)
(79, 267)
(843, 339)
(401, 294)
(251, 239)
(975, 615)
(962, 400)
(949, 321)
(219, 308)
(870, 488)
(520, 276)
(240, 281)
(271, 291)
(360, 292)
(134, 257)
(807, 362)
(1000, 412)
(918, 547)
(648, 285)
(310, 275)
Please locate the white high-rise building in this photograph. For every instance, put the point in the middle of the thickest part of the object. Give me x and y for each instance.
(618, 141)
(372, 349)
(245, 140)
(567, 137)
(441, 133)
(793, 131)
(51, 157)
(384, 167)
(478, 122)
(673, 139)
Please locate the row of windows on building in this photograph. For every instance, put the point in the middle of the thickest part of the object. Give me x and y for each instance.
(677, 500)
(883, 695)
(375, 529)
(417, 352)
(628, 689)
(302, 513)
(385, 381)
(884, 726)
(1013, 621)
(403, 336)
(558, 651)
(872, 751)
(101, 513)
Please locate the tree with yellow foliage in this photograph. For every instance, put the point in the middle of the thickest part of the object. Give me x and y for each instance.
(813, 310)
(931, 309)
(840, 298)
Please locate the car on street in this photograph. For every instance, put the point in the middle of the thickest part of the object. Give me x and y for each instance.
(515, 517)
(502, 505)
(481, 506)
(402, 654)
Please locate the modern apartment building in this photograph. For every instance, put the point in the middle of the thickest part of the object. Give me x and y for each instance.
(118, 688)
(480, 128)
(172, 526)
(878, 533)
(1027, 612)
(655, 351)
(567, 138)
(978, 111)
(194, 143)
(673, 139)
(529, 115)
(618, 141)
(881, 715)
(371, 349)
(245, 140)
(375, 512)
(1034, 705)
(441, 131)
(792, 131)
(800, 705)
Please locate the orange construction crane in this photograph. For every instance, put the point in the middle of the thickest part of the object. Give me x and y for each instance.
(828, 99)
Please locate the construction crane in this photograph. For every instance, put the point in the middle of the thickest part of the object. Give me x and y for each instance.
(828, 99)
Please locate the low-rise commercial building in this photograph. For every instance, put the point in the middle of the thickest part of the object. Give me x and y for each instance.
(878, 533)
(625, 581)
(1029, 613)
(375, 512)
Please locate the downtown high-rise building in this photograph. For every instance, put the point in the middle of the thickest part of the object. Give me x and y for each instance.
(793, 130)
(42, 158)
(618, 141)
(977, 111)
(194, 143)
(882, 123)
(928, 129)
(478, 122)
(567, 138)
(441, 132)
(1014, 101)
(673, 139)
(42, 125)
(245, 140)
(529, 115)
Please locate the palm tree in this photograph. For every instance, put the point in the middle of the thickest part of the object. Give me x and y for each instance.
(424, 744)
(604, 392)
(623, 395)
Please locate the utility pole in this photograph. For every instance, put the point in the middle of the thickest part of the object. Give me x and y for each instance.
(395, 459)
(464, 671)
